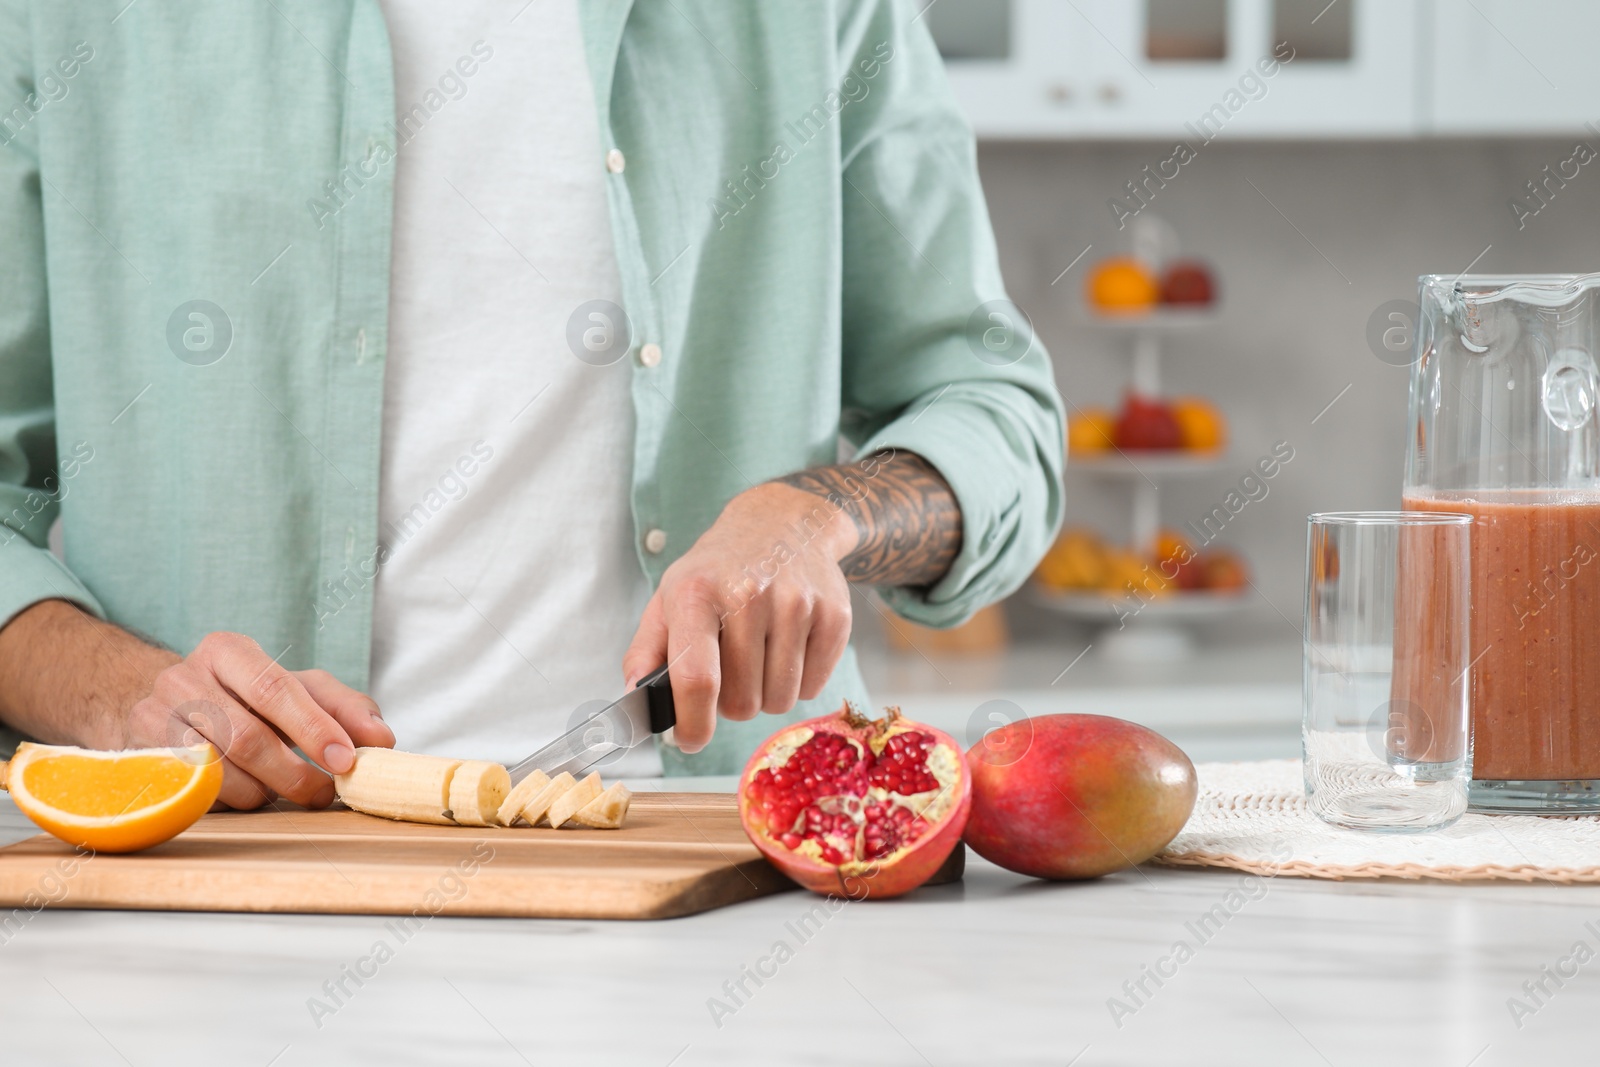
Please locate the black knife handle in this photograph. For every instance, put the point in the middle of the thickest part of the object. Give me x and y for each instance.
(663, 716)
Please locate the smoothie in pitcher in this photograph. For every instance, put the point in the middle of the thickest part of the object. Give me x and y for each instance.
(1535, 631)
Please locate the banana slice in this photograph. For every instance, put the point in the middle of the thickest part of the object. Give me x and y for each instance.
(399, 785)
(568, 803)
(524, 791)
(476, 792)
(606, 811)
(535, 809)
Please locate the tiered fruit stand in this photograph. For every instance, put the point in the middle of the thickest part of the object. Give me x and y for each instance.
(1145, 628)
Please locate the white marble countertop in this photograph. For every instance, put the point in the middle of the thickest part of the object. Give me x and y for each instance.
(997, 969)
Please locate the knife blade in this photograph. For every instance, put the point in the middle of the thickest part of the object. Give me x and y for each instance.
(642, 712)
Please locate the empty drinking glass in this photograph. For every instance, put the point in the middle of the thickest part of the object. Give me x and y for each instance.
(1386, 733)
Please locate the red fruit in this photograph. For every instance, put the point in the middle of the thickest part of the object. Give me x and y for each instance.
(1176, 561)
(1190, 575)
(1224, 571)
(1076, 796)
(1146, 424)
(1187, 282)
(856, 807)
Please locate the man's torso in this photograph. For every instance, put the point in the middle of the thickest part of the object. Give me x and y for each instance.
(511, 586)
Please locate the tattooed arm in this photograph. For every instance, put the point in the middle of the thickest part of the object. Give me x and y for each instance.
(906, 517)
(756, 614)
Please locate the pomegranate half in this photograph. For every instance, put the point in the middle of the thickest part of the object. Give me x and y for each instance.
(856, 807)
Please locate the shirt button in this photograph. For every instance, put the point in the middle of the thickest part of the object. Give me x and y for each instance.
(615, 161)
(650, 355)
(655, 542)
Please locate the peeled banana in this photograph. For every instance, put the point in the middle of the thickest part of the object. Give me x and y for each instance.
(399, 785)
(448, 792)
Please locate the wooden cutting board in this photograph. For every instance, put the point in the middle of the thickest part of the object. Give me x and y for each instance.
(678, 854)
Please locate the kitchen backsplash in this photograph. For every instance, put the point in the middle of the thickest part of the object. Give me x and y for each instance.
(1309, 241)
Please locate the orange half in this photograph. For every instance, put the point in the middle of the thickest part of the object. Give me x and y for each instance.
(113, 801)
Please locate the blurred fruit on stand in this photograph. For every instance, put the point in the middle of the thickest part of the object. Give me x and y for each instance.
(1200, 424)
(1170, 544)
(1089, 429)
(1076, 561)
(1082, 561)
(1132, 572)
(1122, 284)
(1148, 295)
(1146, 423)
(1187, 282)
(1126, 285)
(1178, 561)
(1224, 571)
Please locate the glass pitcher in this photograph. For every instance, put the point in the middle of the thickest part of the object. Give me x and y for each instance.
(1503, 427)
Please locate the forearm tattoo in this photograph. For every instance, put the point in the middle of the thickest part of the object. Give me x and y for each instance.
(904, 510)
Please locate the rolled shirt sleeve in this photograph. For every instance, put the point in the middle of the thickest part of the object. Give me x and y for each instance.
(30, 489)
(936, 359)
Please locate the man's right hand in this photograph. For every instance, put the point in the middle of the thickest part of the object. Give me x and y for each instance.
(67, 677)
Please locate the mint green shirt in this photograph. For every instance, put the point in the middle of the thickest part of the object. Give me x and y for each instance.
(797, 219)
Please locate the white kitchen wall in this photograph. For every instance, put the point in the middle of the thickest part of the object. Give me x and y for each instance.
(1348, 228)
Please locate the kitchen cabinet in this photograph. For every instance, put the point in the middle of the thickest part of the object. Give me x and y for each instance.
(1181, 68)
(1015, 65)
(1196, 69)
(1514, 67)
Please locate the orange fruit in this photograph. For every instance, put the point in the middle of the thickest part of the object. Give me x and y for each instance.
(113, 801)
(1130, 574)
(1075, 561)
(1090, 430)
(1201, 425)
(1177, 562)
(1170, 544)
(1122, 284)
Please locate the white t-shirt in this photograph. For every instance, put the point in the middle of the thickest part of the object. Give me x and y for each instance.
(513, 587)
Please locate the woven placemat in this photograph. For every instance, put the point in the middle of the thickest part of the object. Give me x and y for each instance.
(1253, 817)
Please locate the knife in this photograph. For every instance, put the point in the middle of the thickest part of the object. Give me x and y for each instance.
(644, 711)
